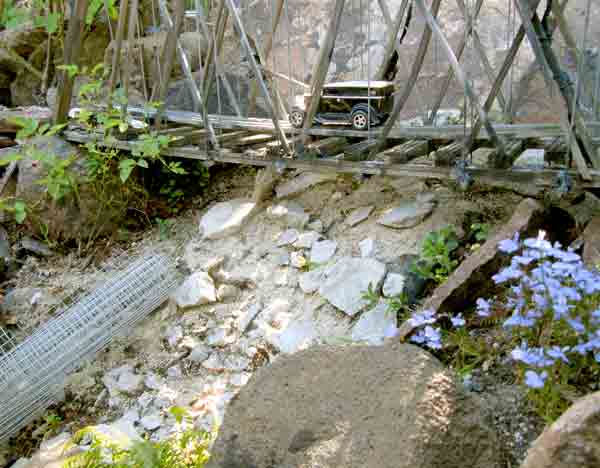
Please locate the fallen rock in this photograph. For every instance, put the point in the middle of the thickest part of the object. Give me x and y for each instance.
(247, 316)
(317, 226)
(401, 281)
(591, 243)
(323, 251)
(368, 248)
(388, 406)
(407, 215)
(226, 218)
(298, 335)
(200, 353)
(306, 240)
(265, 182)
(310, 281)
(227, 292)
(348, 279)
(174, 335)
(38, 248)
(303, 182)
(197, 290)
(374, 324)
(123, 380)
(290, 213)
(359, 215)
(152, 421)
(297, 260)
(571, 441)
(287, 237)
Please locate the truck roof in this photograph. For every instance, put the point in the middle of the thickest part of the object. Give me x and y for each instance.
(359, 84)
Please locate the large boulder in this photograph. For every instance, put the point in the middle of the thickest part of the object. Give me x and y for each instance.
(389, 406)
(573, 441)
(226, 218)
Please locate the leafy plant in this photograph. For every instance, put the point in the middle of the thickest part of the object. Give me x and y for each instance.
(480, 231)
(165, 227)
(371, 296)
(435, 261)
(53, 422)
(398, 305)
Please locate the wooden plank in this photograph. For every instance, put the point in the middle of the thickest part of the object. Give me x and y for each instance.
(409, 84)
(126, 77)
(392, 38)
(405, 152)
(512, 151)
(214, 48)
(359, 151)
(322, 64)
(255, 68)
(116, 57)
(252, 140)
(72, 49)
(327, 147)
(447, 155)
(232, 136)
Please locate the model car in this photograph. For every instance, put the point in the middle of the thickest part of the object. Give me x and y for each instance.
(348, 103)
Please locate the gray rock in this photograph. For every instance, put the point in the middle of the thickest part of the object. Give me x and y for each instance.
(227, 292)
(122, 433)
(153, 381)
(282, 259)
(264, 183)
(5, 255)
(220, 362)
(370, 406)
(323, 251)
(200, 353)
(426, 197)
(287, 237)
(402, 281)
(290, 214)
(317, 226)
(348, 279)
(297, 260)
(35, 247)
(310, 281)
(303, 182)
(174, 372)
(407, 215)
(393, 284)
(247, 316)
(298, 335)
(219, 337)
(152, 421)
(174, 335)
(368, 248)
(530, 158)
(198, 289)
(226, 218)
(374, 325)
(123, 380)
(359, 215)
(307, 239)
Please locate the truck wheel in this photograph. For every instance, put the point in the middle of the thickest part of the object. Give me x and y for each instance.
(297, 118)
(360, 119)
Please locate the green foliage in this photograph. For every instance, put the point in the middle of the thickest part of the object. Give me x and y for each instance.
(467, 350)
(13, 16)
(481, 231)
(435, 261)
(398, 305)
(165, 226)
(53, 423)
(371, 296)
(95, 6)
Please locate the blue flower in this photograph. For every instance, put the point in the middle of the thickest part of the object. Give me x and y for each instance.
(430, 337)
(576, 325)
(535, 380)
(509, 245)
(508, 273)
(556, 352)
(538, 243)
(458, 321)
(483, 307)
(422, 318)
(597, 357)
(517, 320)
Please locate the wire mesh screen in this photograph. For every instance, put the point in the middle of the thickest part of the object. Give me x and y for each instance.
(33, 372)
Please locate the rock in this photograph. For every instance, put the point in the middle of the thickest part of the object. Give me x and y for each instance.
(373, 325)
(153, 381)
(122, 433)
(123, 380)
(359, 215)
(591, 245)
(317, 226)
(323, 251)
(20, 302)
(368, 248)
(348, 279)
(151, 422)
(287, 237)
(219, 337)
(198, 289)
(426, 197)
(475, 272)
(297, 260)
(407, 215)
(401, 281)
(219, 362)
(298, 335)
(200, 353)
(246, 317)
(306, 240)
(174, 372)
(290, 213)
(310, 281)
(573, 440)
(282, 259)
(583, 209)
(264, 183)
(386, 406)
(226, 218)
(301, 183)
(174, 335)
(30, 245)
(5, 255)
(530, 158)
(227, 292)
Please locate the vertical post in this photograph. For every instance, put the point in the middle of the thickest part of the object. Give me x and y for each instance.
(392, 40)
(133, 12)
(71, 57)
(116, 58)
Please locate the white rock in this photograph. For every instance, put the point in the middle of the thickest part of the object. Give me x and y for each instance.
(123, 380)
(121, 433)
(287, 237)
(306, 240)
(348, 279)
(317, 226)
(323, 251)
(219, 337)
(373, 325)
(227, 291)
(297, 260)
(359, 215)
(153, 381)
(530, 158)
(226, 218)
(298, 335)
(303, 182)
(368, 248)
(174, 335)
(151, 422)
(188, 342)
(54, 448)
(247, 316)
(20, 463)
(239, 380)
(219, 362)
(394, 284)
(200, 353)
(407, 215)
(198, 289)
(132, 415)
(174, 372)
(290, 213)
(310, 281)
(282, 259)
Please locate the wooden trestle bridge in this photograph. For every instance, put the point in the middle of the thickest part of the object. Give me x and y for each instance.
(394, 149)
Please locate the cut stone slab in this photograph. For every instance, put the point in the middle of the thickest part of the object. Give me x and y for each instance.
(151, 422)
(368, 248)
(303, 182)
(402, 281)
(323, 251)
(475, 272)
(200, 353)
(374, 324)
(573, 440)
(298, 335)
(407, 215)
(289, 213)
(219, 362)
(307, 239)
(226, 218)
(310, 281)
(591, 243)
(198, 289)
(348, 279)
(247, 316)
(359, 215)
(287, 237)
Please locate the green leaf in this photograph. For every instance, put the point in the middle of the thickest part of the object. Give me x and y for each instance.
(142, 163)
(123, 126)
(52, 24)
(125, 168)
(72, 70)
(55, 129)
(10, 158)
(20, 212)
(28, 126)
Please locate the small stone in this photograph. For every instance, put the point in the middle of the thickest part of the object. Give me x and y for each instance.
(213, 264)
(591, 246)
(323, 251)
(337, 196)
(151, 422)
(35, 247)
(303, 182)
(227, 292)
(287, 237)
(298, 335)
(316, 226)
(123, 380)
(306, 240)
(153, 381)
(426, 197)
(174, 335)
(297, 260)
(290, 213)
(218, 362)
(359, 215)
(530, 158)
(246, 317)
(200, 353)
(310, 281)
(198, 289)
(373, 325)
(368, 248)
(282, 259)
(239, 380)
(219, 337)
(394, 284)
(174, 372)
(226, 218)
(407, 215)
(188, 342)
